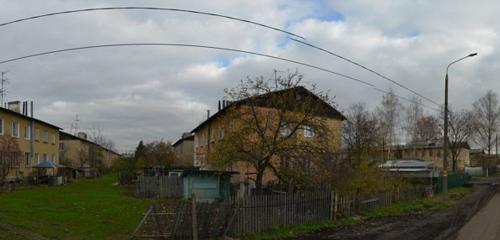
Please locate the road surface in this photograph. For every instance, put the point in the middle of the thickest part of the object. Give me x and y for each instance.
(485, 224)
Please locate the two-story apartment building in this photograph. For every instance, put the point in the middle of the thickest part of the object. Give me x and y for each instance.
(37, 140)
(83, 155)
(184, 150)
(211, 131)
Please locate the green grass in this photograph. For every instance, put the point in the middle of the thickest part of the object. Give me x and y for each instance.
(299, 230)
(89, 209)
(420, 206)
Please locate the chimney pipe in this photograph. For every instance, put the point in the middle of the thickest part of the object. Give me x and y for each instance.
(208, 114)
(223, 103)
(219, 105)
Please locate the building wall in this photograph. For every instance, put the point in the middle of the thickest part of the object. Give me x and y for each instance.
(434, 154)
(184, 152)
(207, 136)
(46, 142)
(73, 151)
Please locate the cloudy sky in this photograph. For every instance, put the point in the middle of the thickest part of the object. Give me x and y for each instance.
(153, 93)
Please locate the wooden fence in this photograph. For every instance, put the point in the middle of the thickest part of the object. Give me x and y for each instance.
(159, 187)
(236, 217)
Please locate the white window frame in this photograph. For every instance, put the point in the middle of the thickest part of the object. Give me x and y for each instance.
(15, 126)
(45, 136)
(285, 131)
(27, 159)
(45, 157)
(308, 131)
(53, 138)
(27, 132)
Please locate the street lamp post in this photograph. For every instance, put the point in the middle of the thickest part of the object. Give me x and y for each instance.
(445, 144)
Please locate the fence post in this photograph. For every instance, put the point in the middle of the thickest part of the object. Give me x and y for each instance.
(332, 205)
(336, 207)
(194, 217)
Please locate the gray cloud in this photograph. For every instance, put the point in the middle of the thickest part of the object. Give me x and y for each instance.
(157, 92)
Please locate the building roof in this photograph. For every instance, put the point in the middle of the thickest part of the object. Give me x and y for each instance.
(17, 114)
(426, 146)
(68, 136)
(407, 164)
(263, 101)
(45, 164)
(184, 138)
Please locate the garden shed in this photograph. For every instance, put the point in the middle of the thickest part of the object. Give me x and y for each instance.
(207, 185)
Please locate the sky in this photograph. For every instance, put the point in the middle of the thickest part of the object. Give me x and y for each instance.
(157, 93)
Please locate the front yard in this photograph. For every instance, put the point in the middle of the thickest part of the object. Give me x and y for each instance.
(89, 209)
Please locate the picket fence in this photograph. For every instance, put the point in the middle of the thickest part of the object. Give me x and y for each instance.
(159, 187)
(237, 217)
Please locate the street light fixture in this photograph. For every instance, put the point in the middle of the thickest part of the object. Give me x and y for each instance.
(445, 144)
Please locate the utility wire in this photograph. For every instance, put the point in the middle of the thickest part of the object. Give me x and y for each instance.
(366, 68)
(205, 47)
(186, 45)
(227, 17)
(150, 8)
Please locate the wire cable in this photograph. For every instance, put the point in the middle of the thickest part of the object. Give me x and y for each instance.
(366, 68)
(151, 8)
(205, 47)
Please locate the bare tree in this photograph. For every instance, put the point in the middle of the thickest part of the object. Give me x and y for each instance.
(9, 154)
(275, 120)
(487, 114)
(414, 112)
(388, 116)
(427, 129)
(461, 128)
(360, 134)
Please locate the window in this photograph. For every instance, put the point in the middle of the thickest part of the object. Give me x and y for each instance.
(37, 135)
(27, 132)
(26, 159)
(46, 136)
(45, 157)
(53, 139)
(52, 158)
(308, 132)
(37, 158)
(15, 129)
(431, 152)
(15, 160)
(221, 133)
(1, 126)
(61, 146)
(285, 131)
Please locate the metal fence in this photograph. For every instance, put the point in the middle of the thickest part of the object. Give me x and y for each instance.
(159, 187)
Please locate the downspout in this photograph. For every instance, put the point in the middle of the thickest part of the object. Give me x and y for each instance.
(32, 125)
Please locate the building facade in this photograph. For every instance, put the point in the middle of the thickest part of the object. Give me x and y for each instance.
(36, 140)
(83, 155)
(212, 131)
(184, 150)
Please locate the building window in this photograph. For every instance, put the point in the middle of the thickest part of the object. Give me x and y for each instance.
(308, 132)
(1, 126)
(53, 139)
(439, 153)
(26, 159)
(52, 158)
(431, 152)
(15, 129)
(37, 134)
(45, 157)
(37, 158)
(61, 146)
(45, 136)
(221, 133)
(285, 131)
(27, 132)
(15, 160)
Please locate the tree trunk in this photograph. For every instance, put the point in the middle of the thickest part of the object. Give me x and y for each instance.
(258, 181)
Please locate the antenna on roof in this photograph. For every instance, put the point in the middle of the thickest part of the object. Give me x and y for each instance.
(3, 91)
(74, 125)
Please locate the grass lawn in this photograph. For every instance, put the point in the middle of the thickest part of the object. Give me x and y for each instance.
(89, 209)
(420, 206)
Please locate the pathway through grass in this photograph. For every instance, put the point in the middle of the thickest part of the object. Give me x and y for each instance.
(89, 209)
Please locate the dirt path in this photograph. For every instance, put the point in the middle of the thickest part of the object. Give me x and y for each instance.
(485, 224)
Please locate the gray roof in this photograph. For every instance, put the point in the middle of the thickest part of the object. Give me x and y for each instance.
(408, 164)
(45, 164)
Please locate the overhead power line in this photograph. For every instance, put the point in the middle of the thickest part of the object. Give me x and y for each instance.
(227, 17)
(154, 9)
(366, 68)
(198, 46)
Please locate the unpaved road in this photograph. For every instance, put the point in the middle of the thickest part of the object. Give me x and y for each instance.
(485, 224)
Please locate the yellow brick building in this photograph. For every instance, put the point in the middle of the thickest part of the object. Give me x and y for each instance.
(211, 131)
(84, 156)
(38, 141)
